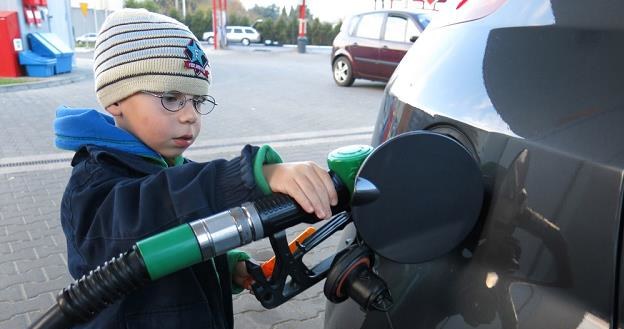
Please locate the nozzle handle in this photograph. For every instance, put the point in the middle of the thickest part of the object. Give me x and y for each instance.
(279, 211)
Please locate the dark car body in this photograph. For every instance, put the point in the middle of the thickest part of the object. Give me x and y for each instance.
(372, 44)
(535, 89)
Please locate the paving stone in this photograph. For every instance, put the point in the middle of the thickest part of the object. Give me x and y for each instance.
(11, 309)
(12, 293)
(6, 202)
(295, 308)
(24, 244)
(13, 236)
(53, 224)
(41, 231)
(315, 322)
(258, 320)
(5, 248)
(45, 251)
(28, 264)
(10, 211)
(26, 205)
(34, 315)
(35, 275)
(40, 219)
(16, 321)
(59, 238)
(34, 289)
(15, 219)
(30, 227)
(56, 271)
(7, 268)
(18, 256)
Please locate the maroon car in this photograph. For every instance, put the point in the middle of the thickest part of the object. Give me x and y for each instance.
(371, 45)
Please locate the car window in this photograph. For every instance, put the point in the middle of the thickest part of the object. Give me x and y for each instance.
(249, 31)
(412, 31)
(353, 24)
(423, 20)
(370, 26)
(395, 28)
(238, 30)
(229, 30)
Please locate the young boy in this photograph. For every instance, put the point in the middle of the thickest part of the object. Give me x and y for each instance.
(130, 180)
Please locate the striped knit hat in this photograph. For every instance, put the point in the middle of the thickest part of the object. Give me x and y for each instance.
(137, 50)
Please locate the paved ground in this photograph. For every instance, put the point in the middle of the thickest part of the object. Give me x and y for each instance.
(278, 97)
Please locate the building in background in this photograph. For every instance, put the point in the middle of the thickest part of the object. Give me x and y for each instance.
(88, 15)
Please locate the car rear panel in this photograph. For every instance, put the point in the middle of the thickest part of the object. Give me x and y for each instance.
(535, 90)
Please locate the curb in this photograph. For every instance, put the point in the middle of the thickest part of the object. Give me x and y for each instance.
(77, 75)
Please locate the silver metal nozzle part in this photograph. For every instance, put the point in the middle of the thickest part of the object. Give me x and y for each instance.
(227, 230)
(254, 220)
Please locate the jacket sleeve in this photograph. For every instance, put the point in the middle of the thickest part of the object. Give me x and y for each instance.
(107, 208)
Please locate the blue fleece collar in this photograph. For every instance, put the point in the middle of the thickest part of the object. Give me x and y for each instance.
(75, 128)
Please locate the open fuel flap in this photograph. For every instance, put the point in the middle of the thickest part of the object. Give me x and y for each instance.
(416, 197)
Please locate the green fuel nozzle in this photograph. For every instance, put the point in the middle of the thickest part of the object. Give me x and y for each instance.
(346, 161)
(203, 239)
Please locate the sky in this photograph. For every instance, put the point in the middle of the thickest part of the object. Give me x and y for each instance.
(325, 10)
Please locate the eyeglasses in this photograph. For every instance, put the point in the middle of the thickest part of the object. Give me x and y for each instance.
(174, 101)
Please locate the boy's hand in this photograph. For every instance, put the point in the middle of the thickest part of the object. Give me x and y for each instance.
(306, 182)
(240, 276)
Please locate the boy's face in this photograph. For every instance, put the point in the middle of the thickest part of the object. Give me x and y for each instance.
(168, 133)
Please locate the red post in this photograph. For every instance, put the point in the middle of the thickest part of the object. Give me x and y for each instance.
(301, 38)
(302, 20)
(214, 24)
(223, 23)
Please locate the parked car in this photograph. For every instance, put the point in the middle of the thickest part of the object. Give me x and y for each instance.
(243, 34)
(531, 88)
(370, 45)
(86, 38)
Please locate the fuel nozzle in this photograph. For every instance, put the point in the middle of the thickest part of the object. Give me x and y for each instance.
(351, 272)
(351, 275)
(346, 161)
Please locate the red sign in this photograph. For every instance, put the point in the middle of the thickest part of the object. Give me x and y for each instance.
(430, 4)
(38, 18)
(30, 16)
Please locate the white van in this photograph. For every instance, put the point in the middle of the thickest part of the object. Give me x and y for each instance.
(243, 34)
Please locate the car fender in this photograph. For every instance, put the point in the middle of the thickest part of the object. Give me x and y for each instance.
(343, 52)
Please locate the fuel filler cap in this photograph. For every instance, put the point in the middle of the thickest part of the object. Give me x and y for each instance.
(418, 196)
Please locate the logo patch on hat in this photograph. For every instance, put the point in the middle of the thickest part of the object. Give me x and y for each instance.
(197, 59)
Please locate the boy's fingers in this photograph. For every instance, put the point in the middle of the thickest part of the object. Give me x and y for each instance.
(320, 180)
(313, 195)
(330, 189)
(297, 193)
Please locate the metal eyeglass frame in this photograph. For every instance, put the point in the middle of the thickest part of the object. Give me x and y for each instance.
(207, 99)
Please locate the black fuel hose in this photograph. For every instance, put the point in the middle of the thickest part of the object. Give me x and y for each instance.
(85, 298)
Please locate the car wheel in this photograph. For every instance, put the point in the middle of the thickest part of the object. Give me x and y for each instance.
(210, 40)
(343, 73)
(245, 42)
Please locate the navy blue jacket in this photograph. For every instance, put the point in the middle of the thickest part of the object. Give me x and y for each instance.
(115, 198)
